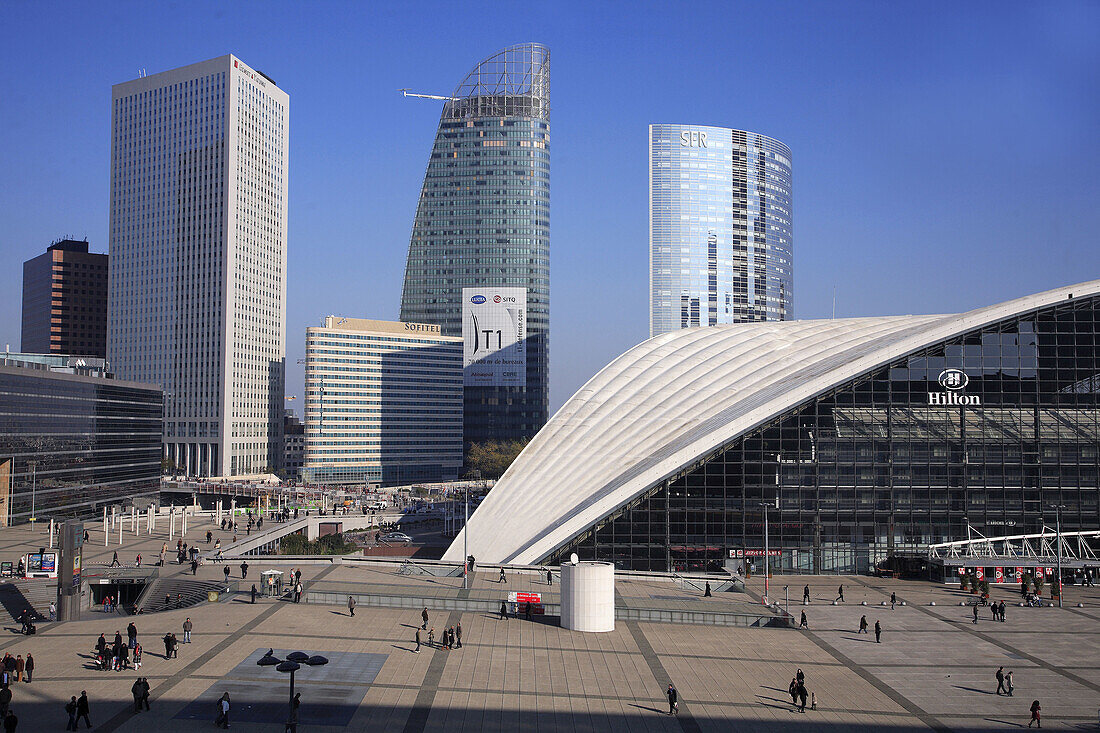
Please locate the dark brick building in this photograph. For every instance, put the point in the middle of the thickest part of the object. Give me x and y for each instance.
(65, 301)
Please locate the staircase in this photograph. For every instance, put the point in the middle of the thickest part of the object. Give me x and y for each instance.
(36, 594)
(190, 592)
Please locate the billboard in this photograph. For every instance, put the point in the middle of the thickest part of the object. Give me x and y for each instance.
(494, 329)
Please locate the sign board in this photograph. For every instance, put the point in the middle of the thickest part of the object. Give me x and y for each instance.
(998, 575)
(755, 553)
(519, 599)
(41, 565)
(979, 573)
(494, 333)
(1019, 575)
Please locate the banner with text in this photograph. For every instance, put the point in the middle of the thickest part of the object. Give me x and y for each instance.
(494, 329)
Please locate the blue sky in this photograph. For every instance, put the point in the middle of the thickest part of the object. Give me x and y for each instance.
(945, 154)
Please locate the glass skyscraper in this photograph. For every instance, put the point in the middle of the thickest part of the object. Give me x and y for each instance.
(483, 220)
(720, 244)
(197, 293)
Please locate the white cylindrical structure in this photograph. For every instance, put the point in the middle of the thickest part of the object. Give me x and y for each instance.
(588, 596)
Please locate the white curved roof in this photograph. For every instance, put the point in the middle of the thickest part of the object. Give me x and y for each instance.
(672, 399)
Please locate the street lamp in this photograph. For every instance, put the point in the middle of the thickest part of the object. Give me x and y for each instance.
(292, 664)
(767, 569)
(34, 468)
(1058, 538)
(466, 535)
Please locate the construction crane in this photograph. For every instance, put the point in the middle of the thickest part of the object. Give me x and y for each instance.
(407, 93)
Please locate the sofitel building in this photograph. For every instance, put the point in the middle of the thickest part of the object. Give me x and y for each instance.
(197, 300)
(720, 219)
(864, 437)
(483, 221)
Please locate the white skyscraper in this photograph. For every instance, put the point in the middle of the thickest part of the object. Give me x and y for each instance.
(197, 293)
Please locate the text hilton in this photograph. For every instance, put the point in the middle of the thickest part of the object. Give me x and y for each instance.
(953, 398)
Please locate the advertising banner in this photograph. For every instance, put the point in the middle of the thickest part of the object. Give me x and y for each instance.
(979, 573)
(494, 333)
(998, 575)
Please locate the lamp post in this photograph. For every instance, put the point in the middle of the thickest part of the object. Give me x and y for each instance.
(466, 536)
(767, 558)
(34, 469)
(1058, 539)
(291, 664)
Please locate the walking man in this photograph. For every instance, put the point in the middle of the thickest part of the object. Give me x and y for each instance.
(1001, 680)
(244, 570)
(253, 593)
(1035, 708)
(840, 593)
(417, 650)
(70, 708)
(223, 711)
(145, 692)
(135, 690)
(803, 623)
(549, 577)
(30, 667)
(1002, 611)
(878, 632)
(351, 606)
(424, 615)
(975, 612)
(862, 625)
(458, 635)
(672, 696)
(1008, 683)
(82, 709)
(504, 610)
(187, 626)
(503, 578)
(893, 600)
(806, 594)
(114, 561)
(226, 571)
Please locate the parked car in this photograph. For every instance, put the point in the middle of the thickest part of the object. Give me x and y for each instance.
(397, 537)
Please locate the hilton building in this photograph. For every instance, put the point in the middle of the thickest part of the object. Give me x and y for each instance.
(865, 437)
(383, 403)
(720, 220)
(197, 300)
(65, 301)
(483, 221)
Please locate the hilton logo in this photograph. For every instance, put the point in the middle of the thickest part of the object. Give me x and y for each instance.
(953, 380)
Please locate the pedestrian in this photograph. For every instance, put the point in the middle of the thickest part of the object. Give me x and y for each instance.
(503, 578)
(5, 700)
(70, 708)
(351, 606)
(803, 623)
(792, 690)
(20, 665)
(417, 650)
(30, 667)
(458, 635)
(975, 612)
(813, 701)
(187, 626)
(244, 570)
(503, 610)
(806, 594)
(167, 646)
(800, 676)
(226, 571)
(135, 690)
(253, 593)
(802, 694)
(431, 637)
(145, 692)
(223, 711)
(175, 647)
(549, 577)
(167, 601)
(292, 719)
(53, 611)
(840, 593)
(10, 721)
(862, 625)
(673, 706)
(993, 610)
(137, 657)
(298, 592)
(1002, 611)
(1008, 683)
(893, 600)
(1001, 680)
(298, 575)
(527, 611)
(194, 567)
(706, 590)
(878, 632)
(139, 560)
(179, 600)
(424, 615)
(114, 560)
(1035, 709)
(82, 709)
(131, 635)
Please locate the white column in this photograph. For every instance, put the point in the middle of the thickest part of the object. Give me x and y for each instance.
(120, 531)
(183, 526)
(106, 529)
(133, 520)
(171, 524)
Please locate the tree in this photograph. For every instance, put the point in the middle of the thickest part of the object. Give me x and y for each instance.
(167, 466)
(492, 457)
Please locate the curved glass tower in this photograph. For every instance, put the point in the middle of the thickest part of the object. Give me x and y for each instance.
(720, 245)
(483, 222)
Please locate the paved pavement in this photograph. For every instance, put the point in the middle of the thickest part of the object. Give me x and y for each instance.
(933, 670)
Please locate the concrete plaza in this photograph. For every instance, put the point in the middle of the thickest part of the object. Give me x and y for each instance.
(934, 668)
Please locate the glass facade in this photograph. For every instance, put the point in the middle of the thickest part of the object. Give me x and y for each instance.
(991, 429)
(720, 219)
(484, 220)
(73, 444)
(383, 403)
